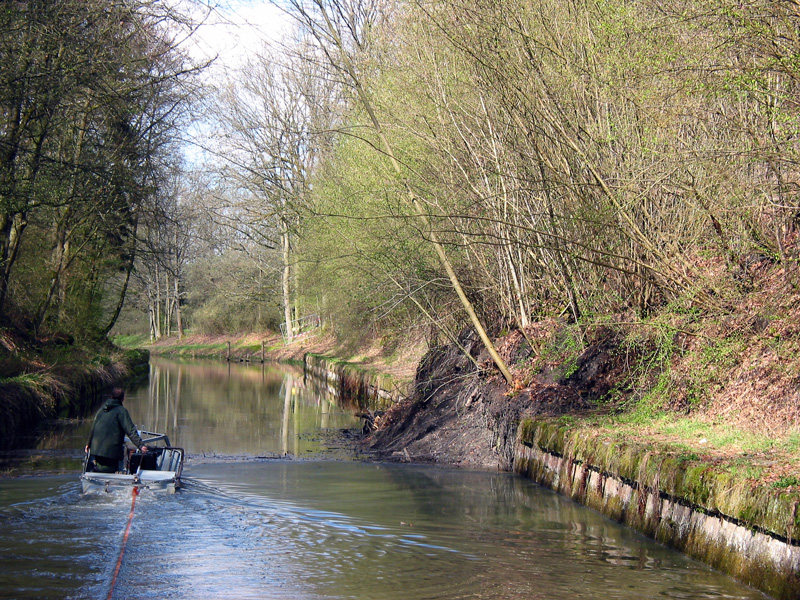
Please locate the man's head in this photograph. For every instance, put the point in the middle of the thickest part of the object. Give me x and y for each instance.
(118, 394)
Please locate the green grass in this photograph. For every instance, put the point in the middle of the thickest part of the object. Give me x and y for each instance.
(716, 434)
(743, 454)
(31, 380)
(191, 347)
(787, 481)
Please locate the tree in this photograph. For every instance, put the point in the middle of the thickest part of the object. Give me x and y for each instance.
(90, 94)
(268, 114)
(342, 29)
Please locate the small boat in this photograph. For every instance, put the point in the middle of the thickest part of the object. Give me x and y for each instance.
(158, 469)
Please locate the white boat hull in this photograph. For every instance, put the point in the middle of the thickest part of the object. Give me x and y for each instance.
(151, 480)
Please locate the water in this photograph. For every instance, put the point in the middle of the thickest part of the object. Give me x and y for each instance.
(248, 527)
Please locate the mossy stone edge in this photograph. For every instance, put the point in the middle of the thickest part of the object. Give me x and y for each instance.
(749, 533)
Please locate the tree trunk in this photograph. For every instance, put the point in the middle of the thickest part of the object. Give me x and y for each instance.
(167, 307)
(286, 280)
(151, 313)
(157, 303)
(121, 302)
(9, 249)
(178, 315)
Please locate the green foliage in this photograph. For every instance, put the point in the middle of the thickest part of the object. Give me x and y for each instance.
(630, 164)
(710, 366)
(497, 130)
(100, 361)
(786, 481)
(651, 405)
(93, 93)
(361, 255)
(568, 347)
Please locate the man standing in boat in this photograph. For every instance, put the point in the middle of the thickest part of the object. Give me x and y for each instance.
(107, 437)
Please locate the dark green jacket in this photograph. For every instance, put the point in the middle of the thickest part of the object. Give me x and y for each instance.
(110, 426)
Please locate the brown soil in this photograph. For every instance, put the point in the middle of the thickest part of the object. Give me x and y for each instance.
(458, 416)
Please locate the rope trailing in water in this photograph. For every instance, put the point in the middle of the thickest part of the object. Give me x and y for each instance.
(124, 542)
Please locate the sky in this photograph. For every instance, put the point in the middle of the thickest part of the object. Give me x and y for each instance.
(229, 35)
(235, 29)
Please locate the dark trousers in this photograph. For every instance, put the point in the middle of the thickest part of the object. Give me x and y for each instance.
(103, 464)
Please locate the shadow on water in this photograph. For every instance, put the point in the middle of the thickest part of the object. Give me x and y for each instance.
(312, 529)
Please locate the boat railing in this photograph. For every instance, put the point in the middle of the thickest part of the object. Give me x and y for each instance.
(156, 459)
(171, 459)
(154, 437)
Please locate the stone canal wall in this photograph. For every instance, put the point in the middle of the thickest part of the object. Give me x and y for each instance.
(713, 517)
(351, 383)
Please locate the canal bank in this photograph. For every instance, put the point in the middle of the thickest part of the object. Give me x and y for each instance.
(367, 389)
(61, 389)
(719, 511)
(746, 531)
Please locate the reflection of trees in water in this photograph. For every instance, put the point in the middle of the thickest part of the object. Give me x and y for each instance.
(334, 396)
(229, 408)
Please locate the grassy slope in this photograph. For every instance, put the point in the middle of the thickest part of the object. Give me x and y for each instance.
(401, 363)
(721, 390)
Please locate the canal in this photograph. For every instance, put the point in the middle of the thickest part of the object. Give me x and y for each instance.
(276, 506)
